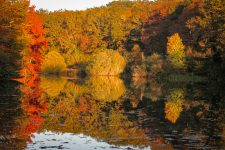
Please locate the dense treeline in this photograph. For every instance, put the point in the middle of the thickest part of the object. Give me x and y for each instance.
(142, 32)
(133, 27)
(22, 40)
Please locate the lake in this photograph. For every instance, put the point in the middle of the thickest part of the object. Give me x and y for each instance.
(111, 113)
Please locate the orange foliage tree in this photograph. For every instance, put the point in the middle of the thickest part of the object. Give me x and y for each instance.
(36, 42)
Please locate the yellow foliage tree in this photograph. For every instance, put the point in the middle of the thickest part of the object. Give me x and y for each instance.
(175, 50)
(107, 62)
(54, 63)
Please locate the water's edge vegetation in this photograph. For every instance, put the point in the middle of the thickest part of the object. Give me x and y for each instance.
(139, 39)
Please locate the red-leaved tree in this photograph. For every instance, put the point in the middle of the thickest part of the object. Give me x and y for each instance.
(35, 45)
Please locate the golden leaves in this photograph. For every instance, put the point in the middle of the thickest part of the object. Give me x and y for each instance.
(173, 106)
(175, 50)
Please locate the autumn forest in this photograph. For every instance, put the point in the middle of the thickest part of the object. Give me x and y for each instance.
(133, 74)
(182, 35)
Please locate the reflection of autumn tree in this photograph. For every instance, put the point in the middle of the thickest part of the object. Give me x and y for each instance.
(9, 112)
(52, 85)
(154, 91)
(106, 88)
(76, 90)
(173, 106)
(33, 106)
(100, 87)
(98, 118)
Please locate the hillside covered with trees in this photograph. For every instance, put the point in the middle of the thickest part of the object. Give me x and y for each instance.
(138, 29)
(139, 38)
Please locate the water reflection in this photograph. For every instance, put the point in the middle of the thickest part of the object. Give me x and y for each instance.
(106, 88)
(174, 104)
(141, 115)
(52, 85)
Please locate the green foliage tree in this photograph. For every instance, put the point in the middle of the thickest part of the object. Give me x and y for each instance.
(53, 63)
(175, 50)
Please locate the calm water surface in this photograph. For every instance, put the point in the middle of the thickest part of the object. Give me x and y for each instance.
(108, 113)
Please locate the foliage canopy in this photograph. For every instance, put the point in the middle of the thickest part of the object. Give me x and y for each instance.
(54, 63)
(107, 62)
(175, 50)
